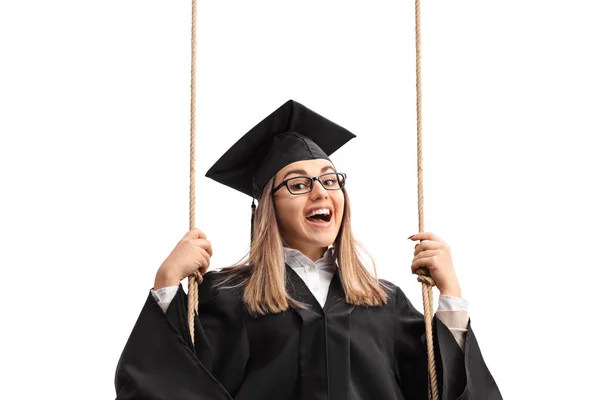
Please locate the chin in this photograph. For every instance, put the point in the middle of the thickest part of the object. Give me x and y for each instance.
(316, 236)
(323, 239)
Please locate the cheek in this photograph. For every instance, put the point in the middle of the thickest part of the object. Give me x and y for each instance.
(288, 213)
(339, 206)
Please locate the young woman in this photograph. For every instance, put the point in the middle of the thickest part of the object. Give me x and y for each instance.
(302, 317)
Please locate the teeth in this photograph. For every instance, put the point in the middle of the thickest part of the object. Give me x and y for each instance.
(323, 211)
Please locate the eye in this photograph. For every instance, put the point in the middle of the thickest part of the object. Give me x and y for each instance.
(330, 182)
(298, 186)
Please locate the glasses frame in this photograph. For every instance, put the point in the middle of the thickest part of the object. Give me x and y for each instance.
(312, 183)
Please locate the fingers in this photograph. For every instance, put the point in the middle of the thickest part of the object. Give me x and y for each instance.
(204, 244)
(429, 245)
(426, 236)
(427, 253)
(195, 233)
(425, 262)
(204, 260)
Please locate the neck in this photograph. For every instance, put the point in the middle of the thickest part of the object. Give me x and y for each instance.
(314, 253)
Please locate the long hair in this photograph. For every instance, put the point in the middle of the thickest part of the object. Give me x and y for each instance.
(263, 273)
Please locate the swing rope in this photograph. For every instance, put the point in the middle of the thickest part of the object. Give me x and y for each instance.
(424, 278)
(196, 278)
(426, 281)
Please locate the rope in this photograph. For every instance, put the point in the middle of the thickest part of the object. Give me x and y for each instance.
(426, 281)
(196, 278)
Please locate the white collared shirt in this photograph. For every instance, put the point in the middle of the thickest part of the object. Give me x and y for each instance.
(316, 275)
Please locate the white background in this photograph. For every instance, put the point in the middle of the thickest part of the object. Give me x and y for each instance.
(94, 163)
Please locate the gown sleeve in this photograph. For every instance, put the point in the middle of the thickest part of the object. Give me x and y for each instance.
(460, 375)
(159, 361)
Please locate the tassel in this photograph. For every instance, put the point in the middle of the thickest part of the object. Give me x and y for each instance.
(252, 222)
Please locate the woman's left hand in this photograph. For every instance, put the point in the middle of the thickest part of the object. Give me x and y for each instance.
(434, 254)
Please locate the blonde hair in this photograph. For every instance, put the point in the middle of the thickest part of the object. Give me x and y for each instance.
(263, 272)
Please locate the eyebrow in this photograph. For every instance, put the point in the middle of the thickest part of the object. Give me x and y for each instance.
(303, 172)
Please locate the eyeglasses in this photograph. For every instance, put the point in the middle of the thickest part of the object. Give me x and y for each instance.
(304, 184)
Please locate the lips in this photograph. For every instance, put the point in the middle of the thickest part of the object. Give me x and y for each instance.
(319, 216)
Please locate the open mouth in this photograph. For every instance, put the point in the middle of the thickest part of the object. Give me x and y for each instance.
(322, 215)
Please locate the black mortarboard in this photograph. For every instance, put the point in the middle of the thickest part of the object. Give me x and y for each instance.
(291, 133)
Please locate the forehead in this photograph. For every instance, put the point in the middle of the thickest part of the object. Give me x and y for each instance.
(313, 167)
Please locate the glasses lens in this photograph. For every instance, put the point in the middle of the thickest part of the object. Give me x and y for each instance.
(299, 185)
(333, 181)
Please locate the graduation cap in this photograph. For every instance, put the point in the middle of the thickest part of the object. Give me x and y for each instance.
(291, 133)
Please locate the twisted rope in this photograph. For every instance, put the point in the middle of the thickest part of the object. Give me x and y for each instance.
(426, 281)
(196, 278)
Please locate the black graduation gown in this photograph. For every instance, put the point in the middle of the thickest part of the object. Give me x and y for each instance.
(338, 352)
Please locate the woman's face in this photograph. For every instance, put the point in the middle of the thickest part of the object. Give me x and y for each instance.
(299, 228)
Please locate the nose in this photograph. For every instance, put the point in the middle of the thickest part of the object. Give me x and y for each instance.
(318, 190)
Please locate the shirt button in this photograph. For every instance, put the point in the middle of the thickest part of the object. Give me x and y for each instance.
(315, 289)
(311, 267)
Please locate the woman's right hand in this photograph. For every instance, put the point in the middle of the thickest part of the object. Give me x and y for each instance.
(191, 254)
